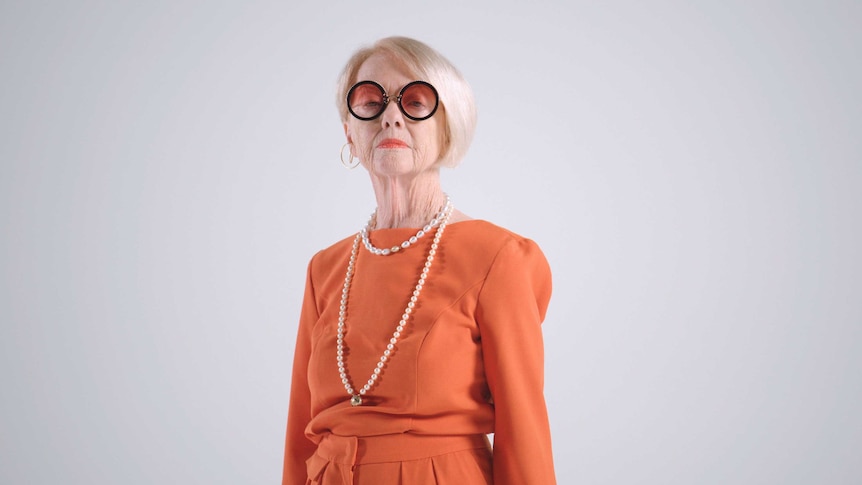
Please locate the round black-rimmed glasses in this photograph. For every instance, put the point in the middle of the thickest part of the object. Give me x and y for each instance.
(367, 100)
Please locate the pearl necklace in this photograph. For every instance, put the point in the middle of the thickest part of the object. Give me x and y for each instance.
(408, 242)
(356, 398)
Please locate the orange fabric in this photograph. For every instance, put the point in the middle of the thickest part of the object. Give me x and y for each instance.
(400, 458)
(469, 362)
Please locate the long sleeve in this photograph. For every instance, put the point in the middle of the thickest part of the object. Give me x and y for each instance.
(298, 447)
(510, 310)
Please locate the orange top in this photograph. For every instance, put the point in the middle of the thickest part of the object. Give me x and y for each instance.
(470, 360)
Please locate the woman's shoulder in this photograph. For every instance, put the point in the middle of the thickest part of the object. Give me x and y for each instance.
(498, 254)
(333, 254)
(479, 232)
(482, 240)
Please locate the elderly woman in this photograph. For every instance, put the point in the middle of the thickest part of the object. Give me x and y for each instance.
(421, 334)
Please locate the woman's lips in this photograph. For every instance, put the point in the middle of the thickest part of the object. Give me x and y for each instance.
(392, 143)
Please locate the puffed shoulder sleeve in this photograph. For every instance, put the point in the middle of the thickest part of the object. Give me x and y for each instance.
(297, 447)
(510, 310)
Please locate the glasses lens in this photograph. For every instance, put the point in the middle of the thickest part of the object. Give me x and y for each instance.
(419, 100)
(365, 100)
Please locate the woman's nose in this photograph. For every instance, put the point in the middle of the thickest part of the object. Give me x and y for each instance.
(392, 115)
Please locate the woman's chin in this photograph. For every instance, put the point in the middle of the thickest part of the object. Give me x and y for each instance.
(393, 165)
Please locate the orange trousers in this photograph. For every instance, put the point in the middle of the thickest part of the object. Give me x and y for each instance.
(401, 459)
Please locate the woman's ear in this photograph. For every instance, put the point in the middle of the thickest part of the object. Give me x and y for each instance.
(347, 134)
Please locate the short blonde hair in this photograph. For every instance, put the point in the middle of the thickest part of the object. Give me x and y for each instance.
(456, 97)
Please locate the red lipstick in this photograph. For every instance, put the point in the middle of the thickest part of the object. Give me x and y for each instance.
(392, 143)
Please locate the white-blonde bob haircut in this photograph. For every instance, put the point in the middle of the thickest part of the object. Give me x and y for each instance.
(456, 97)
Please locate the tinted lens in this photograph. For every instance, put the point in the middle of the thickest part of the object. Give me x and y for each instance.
(419, 100)
(365, 100)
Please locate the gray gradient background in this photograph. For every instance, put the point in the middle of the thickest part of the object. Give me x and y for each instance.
(692, 171)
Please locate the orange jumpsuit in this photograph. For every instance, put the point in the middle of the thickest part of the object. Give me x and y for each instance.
(470, 362)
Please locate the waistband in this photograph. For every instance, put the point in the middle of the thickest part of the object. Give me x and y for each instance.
(352, 450)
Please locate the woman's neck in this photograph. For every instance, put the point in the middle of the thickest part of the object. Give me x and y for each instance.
(407, 203)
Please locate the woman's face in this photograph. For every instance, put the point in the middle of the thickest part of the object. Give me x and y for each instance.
(393, 144)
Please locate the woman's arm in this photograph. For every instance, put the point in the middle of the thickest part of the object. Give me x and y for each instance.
(297, 447)
(511, 307)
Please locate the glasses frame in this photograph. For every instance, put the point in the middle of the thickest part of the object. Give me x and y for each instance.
(386, 100)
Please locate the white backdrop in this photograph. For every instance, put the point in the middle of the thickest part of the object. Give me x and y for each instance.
(691, 169)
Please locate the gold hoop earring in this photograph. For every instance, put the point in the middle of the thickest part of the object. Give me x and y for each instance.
(351, 162)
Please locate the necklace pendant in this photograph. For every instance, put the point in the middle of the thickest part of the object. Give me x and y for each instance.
(355, 400)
